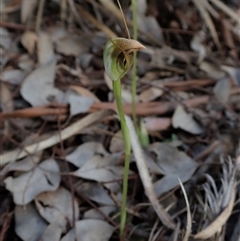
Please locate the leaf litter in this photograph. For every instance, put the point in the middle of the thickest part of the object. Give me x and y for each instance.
(61, 152)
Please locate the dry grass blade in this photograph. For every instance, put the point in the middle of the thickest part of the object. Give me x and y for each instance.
(189, 218)
(55, 138)
(145, 177)
(208, 21)
(224, 198)
(226, 9)
(219, 221)
(39, 15)
(99, 25)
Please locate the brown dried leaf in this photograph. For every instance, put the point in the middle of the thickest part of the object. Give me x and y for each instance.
(150, 94)
(117, 143)
(29, 40)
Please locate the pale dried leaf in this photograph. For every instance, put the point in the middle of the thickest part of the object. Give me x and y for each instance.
(183, 120)
(156, 123)
(52, 232)
(85, 152)
(45, 49)
(29, 225)
(6, 100)
(95, 173)
(163, 158)
(197, 46)
(222, 89)
(78, 104)
(6, 40)
(25, 63)
(99, 169)
(99, 230)
(95, 192)
(97, 213)
(148, 24)
(234, 73)
(213, 71)
(84, 92)
(150, 94)
(56, 207)
(29, 40)
(170, 181)
(72, 45)
(116, 143)
(27, 186)
(56, 33)
(13, 76)
(38, 87)
(27, 9)
(23, 166)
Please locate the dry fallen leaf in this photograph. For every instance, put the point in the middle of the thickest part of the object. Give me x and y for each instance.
(78, 104)
(222, 89)
(13, 76)
(165, 159)
(99, 230)
(29, 225)
(56, 207)
(117, 143)
(45, 49)
(95, 192)
(72, 45)
(95, 214)
(27, 9)
(197, 45)
(85, 152)
(150, 94)
(6, 40)
(212, 70)
(27, 186)
(183, 120)
(156, 123)
(29, 40)
(148, 24)
(100, 169)
(52, 232)
(38, 87)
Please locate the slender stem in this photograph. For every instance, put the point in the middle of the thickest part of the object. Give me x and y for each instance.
(127, 142)
(134, 68)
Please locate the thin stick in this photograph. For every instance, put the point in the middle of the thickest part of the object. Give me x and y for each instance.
(124, 20)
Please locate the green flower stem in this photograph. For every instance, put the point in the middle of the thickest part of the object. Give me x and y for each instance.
(126, 137)
(134, 68)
